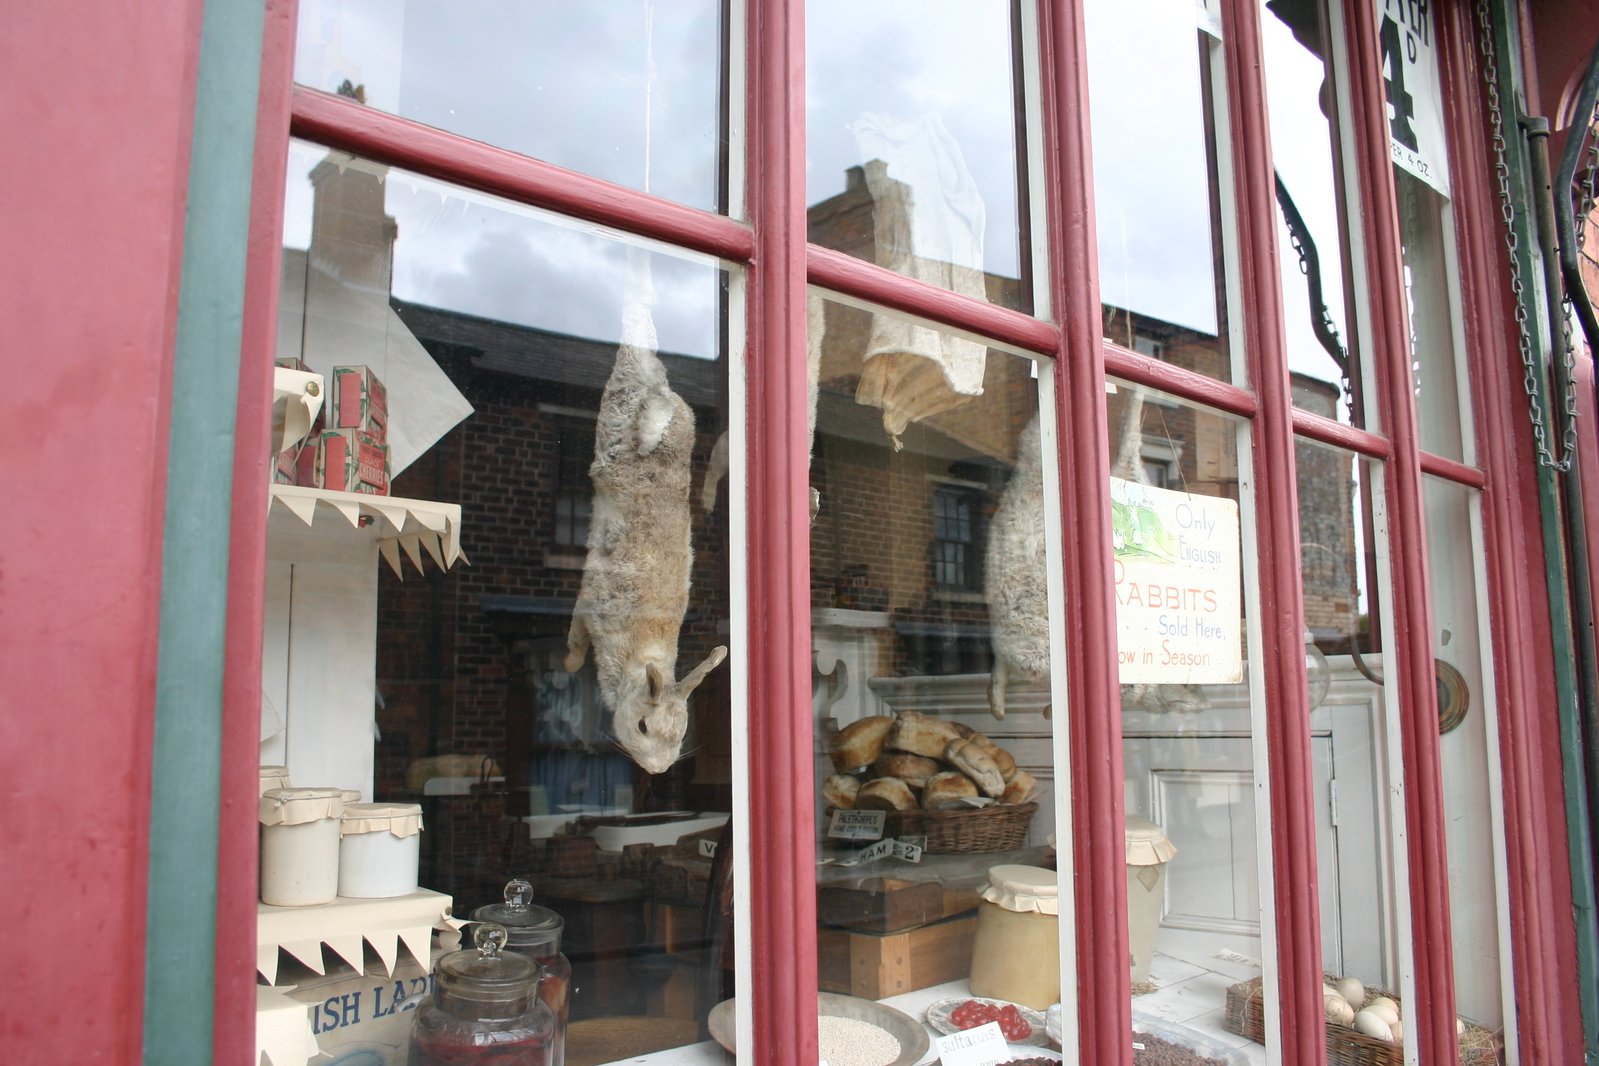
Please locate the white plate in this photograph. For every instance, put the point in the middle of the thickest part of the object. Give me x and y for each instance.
(913, 1041)
(938, 1017)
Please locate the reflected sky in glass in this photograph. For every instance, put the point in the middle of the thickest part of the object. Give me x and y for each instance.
(943, 62)
(1156, 251)
(625, 90)
(475, 254)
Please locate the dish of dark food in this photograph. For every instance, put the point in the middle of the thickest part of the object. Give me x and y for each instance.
(1158, 1052)
(1036, 1060)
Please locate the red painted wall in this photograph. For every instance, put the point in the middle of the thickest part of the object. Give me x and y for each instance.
(96, 121)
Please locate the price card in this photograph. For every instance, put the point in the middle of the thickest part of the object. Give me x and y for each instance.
(857, 825)
(983, 1046)
(909, 848)
(707, 848)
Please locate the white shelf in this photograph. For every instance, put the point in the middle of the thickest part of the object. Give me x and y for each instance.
(345, 924)
(396, 524)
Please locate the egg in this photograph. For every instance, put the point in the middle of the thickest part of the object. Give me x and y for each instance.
(1384, 1008)
(1373, 1024)
(1338, 1011)
(1397, 1030)
(1352, 990)
(1460, 1027)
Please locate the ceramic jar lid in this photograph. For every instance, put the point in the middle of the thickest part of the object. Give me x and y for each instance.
(401, 819)
(1023, 889)
(296, 806)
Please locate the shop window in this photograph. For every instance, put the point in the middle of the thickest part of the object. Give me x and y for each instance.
(552, 696)
(493, 690)
(957, 516)
(573, 492)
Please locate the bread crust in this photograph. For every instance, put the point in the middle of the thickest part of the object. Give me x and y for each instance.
(922, 734)
(977, 764)
(1019, 787)
(948, 789)
(885, 794)
(859, 744)
(914, 770)
(840, 790)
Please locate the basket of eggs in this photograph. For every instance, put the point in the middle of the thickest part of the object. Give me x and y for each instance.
(935, 778)
(1365, 1026)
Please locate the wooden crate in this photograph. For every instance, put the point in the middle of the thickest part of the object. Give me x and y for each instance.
(877, 965)
(890, 904)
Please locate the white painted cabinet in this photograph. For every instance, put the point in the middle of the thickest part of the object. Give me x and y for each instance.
(319, 648)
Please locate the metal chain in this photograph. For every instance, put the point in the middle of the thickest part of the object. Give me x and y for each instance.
(1326, 321)
(1507, 210)
(1584, 195)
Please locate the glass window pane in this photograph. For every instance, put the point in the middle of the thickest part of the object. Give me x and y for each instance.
(632, 93)
(557, 706)
(1469, 756)
(932, 622)
(915, 142)
(1194, 834)
(1160, 180)
(1354, 739)
(1432, 296)
(1318, 320)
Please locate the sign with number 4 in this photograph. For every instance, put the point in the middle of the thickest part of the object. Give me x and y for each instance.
(1407, 32)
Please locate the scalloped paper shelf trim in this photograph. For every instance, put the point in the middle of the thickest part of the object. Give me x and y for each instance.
(403, 526)
(345, 925)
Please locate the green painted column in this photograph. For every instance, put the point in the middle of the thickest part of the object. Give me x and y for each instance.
(1579, 818)
(181, 936)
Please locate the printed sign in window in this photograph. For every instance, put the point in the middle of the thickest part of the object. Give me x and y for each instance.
(1179, 596)
(1405, 29)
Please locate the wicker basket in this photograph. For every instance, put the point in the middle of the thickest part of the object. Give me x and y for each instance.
(965, 830)
(1246, 1016)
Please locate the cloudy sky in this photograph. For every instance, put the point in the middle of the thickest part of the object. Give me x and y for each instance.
(628, 91)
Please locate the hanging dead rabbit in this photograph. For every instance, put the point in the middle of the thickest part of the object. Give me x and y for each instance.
(636, 580)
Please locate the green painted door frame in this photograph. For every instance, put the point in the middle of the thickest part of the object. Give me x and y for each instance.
(1571, 699)
(180, 939)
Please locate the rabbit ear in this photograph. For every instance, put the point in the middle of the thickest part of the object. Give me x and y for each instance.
(657, 680)
(692, 680)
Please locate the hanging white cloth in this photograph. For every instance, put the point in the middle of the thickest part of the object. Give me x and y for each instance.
(928, 224)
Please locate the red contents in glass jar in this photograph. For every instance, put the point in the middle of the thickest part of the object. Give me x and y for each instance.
(517, 1048)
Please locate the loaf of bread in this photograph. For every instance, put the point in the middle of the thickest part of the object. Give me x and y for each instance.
(914, 770)
(840, 790)
(859, 743)
(885, 794)
(1002, 758)
(1019, 787)
(977, 764)
(948, 789)
(922, 734)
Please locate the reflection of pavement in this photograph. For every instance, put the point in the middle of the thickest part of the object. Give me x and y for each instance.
(1192, 972)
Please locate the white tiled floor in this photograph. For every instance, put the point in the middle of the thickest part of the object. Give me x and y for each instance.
(1192, 972)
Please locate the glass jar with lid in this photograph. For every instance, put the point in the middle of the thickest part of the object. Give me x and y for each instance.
(1016, 950)
(536, 932)
(484, 1009)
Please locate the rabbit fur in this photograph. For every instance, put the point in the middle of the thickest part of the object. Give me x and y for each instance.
(1018, 603)
(1014, 574)
(635, 584)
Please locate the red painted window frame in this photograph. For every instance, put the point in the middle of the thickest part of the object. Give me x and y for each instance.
(780, 265)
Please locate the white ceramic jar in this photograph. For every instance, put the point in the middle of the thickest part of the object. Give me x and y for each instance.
(300, 846)
(274, 777)
(1016, 951)
(1148, 852)
(379, 848)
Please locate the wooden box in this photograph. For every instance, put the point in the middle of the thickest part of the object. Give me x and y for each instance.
(876, 965)
(890, 904)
